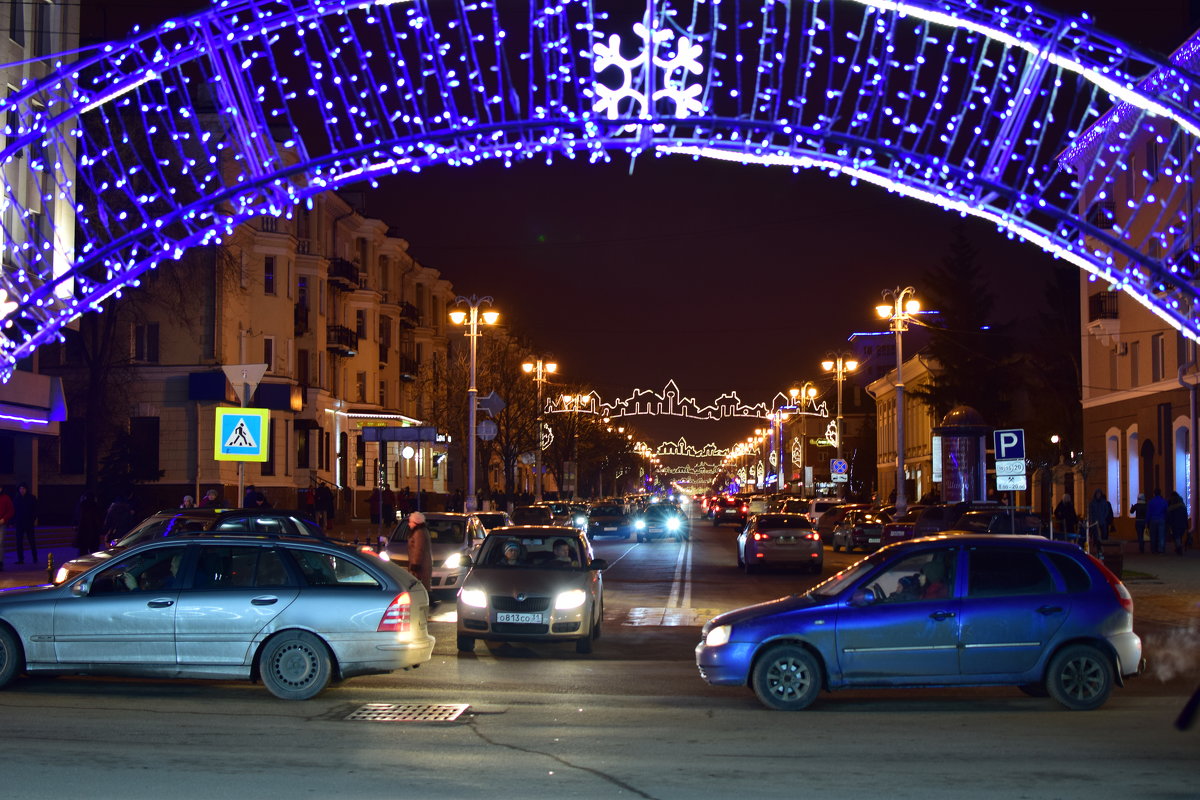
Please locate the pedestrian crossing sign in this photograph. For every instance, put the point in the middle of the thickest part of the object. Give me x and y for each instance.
(242, 434)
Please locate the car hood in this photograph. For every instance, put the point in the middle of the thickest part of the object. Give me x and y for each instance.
(514, 581)
(780, 605)
(84, 563)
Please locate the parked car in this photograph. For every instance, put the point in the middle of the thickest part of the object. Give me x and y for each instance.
(292, 612)
(945, 516)
(953, 610)
(831, 517)
(860, 529)
(661, 521)
(900, 529)
(729, 509)
(492, 519)
(532, 515)
(1001, 521)
(562, 512)
(780, 539)
(453, 538)
(174, 521)
(521, 589)
(608, 519)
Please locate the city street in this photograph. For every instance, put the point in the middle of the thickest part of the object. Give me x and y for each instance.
(633, 719)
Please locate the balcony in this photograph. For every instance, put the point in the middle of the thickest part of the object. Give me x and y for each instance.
(410, 317)
(343, 274)
(341, 340)
(409, 367)
(1104, 318)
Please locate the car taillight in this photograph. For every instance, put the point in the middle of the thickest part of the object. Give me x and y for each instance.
(1123, 595)
(745, 508)
(398, 616)
(758, 537)
(813, 536)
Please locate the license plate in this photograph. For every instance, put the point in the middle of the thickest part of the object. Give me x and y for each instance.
(610, 527)
(786, 540)
(873, 540)
(508, 616)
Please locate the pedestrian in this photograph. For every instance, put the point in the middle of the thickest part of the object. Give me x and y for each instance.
(1138, 512)
(1068, 520)
(388, 506)
(6, 514)
(1177, 521)
(250, 499)
(89, 523)
(188, 502)
(118, 519)
(324, 505)
(420, 551)
(210, 499)
(1156, 519)
(1100, 517)
(373, 504)
(24, 519)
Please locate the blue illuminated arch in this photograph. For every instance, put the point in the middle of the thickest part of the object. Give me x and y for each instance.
(172, 138)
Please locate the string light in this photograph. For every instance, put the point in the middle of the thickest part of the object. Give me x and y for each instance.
(177, 137)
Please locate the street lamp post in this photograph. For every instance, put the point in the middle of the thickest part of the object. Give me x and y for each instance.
(574, 401)
(899, 307)
(539, 369)
(839, 365)
(801, 397)
(471, 319)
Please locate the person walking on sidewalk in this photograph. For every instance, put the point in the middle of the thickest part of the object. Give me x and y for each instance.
(1156, 518)
(6, 514)
(1177, 521)
(24, 520)
(1138, 512)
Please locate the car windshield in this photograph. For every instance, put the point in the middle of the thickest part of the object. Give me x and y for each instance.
(607, 511)
(492, 520)
(976, 523)
(783, 522)
(662, 511)
(161, 528)
(832, 587)
(505, 551)
(531, 515)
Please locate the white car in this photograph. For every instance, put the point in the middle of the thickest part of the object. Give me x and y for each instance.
(454, 539)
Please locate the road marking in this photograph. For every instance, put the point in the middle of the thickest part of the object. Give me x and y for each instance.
(681, 586)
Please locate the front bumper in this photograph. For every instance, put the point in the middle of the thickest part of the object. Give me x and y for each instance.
(726, 665)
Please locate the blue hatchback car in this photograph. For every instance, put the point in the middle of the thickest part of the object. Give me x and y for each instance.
(947, 610)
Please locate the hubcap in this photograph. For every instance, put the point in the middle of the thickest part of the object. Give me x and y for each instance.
(1082, 678)
(787, 678)
(294, 665)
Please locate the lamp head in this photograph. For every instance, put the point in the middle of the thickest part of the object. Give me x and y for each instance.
(458, 316)
(527, 367)
(491, 317)
(912, 306)
(550, 367)
(828, 365)
(883, 310)
(793, 392)
(850, 365)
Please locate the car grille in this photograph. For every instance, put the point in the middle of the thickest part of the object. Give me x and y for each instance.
(506, 603)
(519, 627)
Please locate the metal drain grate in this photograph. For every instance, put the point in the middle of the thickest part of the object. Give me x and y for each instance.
(408, 712)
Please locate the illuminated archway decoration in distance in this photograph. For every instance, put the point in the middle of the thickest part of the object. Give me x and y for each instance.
(670, 402)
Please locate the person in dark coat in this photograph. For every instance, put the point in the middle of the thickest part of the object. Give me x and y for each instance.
(1100, 517)
(25, 518)
(324, 505)
(1156, 519)
(89, 524)
(1068, 520)
(420, 549)
(118, 519)
(1138, 512)
(1177, 521)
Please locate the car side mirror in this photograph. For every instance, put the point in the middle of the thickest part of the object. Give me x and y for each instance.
(598, 564)
(81, 588)
(466, 560)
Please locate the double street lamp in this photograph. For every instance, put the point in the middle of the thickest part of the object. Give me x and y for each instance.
(471, 318)
(539, 369)
(898, 308)
(573, 402)
(839, 365)
(801, 397)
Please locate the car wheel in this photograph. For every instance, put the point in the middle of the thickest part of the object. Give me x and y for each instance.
(787, 678)
(295, 666)
(466, 644)
(1080, 678)
(748, 567)
(11, 657)
(584, 646)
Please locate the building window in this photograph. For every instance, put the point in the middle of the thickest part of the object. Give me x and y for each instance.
(143, 450)
(360, 384)
(383, 394)
(70, 447)
(1158, 357)
(302, 367)
(43, 29)
(1135, 353)
(1185, 350)
(303, 449)
(269, 352)
(360, 323)
(269, 275)
(360, 461)
(268, 466)
(16, 21)
(1152, 166)
(145, 343)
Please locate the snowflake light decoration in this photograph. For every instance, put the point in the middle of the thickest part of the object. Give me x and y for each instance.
(635, 74)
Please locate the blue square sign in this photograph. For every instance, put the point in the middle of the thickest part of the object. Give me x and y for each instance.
(1010, 444)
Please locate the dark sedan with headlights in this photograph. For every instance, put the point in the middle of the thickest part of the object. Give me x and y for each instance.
(661, 521)
(533, 584)
(607, 519)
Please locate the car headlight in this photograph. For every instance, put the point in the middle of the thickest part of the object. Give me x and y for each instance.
(581, 520)
(640, 524)
(454, 561)
(61, 575)
(718, 636)
(571, 599)
(475, 598)
(673, 524)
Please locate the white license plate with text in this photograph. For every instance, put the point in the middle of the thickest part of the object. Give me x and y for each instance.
(510, 616)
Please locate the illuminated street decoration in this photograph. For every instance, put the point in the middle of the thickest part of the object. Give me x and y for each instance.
(670, 402)
(682, 448)
(175, 137)
(690, 469)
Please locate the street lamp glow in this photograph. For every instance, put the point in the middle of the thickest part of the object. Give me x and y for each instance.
(899, 313)
(538, 368)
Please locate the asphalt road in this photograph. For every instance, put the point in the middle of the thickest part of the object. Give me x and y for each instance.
(631, 720)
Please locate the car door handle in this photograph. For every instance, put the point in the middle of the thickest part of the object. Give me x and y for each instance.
(1047, 610)
(161, 603)
(941, 615)
(264, 601)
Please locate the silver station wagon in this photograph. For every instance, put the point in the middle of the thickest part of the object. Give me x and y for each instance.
(293, 613)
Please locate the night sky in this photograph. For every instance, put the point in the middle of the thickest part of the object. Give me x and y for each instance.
(720, 276)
